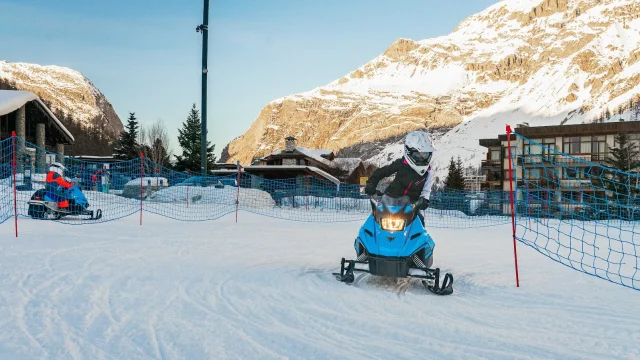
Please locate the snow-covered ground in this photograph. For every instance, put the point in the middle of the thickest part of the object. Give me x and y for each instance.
(263, 289)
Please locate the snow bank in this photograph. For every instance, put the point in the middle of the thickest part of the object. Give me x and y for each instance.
(262, 288)
(212, 195)
(155, 181)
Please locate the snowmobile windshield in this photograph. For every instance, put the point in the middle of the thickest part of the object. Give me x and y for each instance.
(399, 202)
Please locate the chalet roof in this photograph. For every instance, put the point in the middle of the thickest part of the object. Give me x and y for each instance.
(321, 156)
(12, 100)
(320, 172)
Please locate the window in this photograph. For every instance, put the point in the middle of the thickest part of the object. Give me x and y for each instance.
(533, 174)
(539, 146)
(577, 145)
(570, 196)
(599, 148)
(594, 197)
(578, 173)
(534, 197)
(495, 176)
(495, 154)
(505, 174)
(513, 152)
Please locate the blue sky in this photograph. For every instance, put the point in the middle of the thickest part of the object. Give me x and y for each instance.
(145, 55)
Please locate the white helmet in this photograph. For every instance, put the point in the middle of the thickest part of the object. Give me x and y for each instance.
(418, 150)
(57, 168)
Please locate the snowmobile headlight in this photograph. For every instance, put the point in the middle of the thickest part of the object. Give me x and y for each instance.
(392, 224)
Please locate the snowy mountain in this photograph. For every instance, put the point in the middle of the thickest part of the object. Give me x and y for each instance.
(540, 61)
(70, 95)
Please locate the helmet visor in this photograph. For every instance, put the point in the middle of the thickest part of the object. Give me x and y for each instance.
(419, 158)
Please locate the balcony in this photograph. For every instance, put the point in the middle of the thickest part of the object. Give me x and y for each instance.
(576, 184)
(538, 183)
(491, 185)
(577, 159)
(535, 159)
(490, 164)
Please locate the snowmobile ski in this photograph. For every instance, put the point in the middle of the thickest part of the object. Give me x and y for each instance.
(447, 284)
(430, 277)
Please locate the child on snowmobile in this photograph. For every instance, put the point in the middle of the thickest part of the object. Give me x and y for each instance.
(57, 185)
(413, 174)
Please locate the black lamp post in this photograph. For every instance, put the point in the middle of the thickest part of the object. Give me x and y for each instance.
(204, 28)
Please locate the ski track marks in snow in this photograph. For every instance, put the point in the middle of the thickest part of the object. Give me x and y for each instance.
(263, 289)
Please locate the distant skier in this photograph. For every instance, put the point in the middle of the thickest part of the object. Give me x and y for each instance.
(57, 185)
(413, 173)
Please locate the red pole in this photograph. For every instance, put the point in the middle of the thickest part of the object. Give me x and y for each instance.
(141, 178)
(15, 191)
(513, 213)
(188, 176)
(238, 194)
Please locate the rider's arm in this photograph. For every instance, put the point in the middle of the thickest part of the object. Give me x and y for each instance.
(426, 189)
(384, 172)
(61, 181)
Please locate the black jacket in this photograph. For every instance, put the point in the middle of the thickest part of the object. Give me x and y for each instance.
(407, 181)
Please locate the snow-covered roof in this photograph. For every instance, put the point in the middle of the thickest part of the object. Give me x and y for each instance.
(347, 164)
(12, 100)
(93, 157)
(320, 172)
(316, 155)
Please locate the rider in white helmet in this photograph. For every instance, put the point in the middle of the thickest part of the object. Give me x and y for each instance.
(57, 185)
(413, 173)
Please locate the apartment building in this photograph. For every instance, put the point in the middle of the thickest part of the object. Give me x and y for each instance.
(544, 174)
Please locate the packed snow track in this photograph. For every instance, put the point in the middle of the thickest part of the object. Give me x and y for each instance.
(263, 289)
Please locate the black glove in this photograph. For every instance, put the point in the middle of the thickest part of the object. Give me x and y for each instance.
(370, 189)
(422, 204)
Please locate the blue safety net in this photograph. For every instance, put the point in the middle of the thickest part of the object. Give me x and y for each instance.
(580, 209)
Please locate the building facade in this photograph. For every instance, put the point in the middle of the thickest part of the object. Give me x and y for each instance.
(546, 174)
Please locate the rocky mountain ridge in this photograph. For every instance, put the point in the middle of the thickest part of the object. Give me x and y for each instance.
(540, 61)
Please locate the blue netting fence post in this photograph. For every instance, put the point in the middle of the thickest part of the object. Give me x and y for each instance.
(141, 185)
(188, 176)
(512, 201)
(14, 166)
(238, 190)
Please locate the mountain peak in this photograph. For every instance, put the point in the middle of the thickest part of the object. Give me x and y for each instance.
(66, 91)
(539, 60)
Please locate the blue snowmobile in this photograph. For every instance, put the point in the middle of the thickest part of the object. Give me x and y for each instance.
(44, 205)
(394, 243)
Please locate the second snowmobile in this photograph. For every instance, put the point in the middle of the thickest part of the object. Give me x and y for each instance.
(394, 243)
(44, 205)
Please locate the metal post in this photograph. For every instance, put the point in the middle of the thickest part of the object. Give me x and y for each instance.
(204, 28)
(513, 213)
(238, 184)
(141, 179)
(14, 150)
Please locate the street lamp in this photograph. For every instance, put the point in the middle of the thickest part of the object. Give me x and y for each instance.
(204, 29)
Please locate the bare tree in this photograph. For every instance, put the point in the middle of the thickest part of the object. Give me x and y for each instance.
(156, 140)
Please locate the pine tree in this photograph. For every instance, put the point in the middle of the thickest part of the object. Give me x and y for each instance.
(127, 147)
(189, 138)
(455, 176)
(621, 186)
